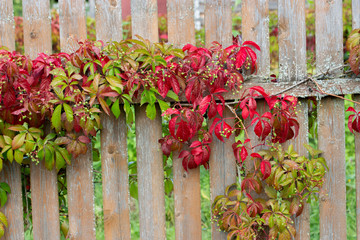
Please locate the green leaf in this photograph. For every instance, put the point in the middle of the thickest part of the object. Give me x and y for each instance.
(129, 112)
(151, 111)
(5, 187)
(115, 108)
(60, 162)
(161, 60)
(68, 112)
(163, 105)
(56, 118)
(18, 156)
(168, 186)
(49, 157)
(10, 155)
(3, 219)
(66, 155)
(173, 95)
(133, 189)
(2, 230)
(18, 141)
(3, 197)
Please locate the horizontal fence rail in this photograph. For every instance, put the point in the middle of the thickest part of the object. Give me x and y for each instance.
(187, 187)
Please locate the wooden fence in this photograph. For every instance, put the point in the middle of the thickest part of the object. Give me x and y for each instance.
(292, 50)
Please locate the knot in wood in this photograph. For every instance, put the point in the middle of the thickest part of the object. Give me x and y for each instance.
(111, 149)
(113, 3)
(33, 35)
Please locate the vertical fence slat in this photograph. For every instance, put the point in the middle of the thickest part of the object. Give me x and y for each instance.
(72, 24)
(44, 187)
(79, 174)
(113, 140)
(108, 20)
(218, 22)
(186, 184)
(292, 40)
(331, 131)
(11, 173)
(144, 19)
(7, 24)
(218, 27)
(150, 175)
(356, 13)
(13, 209)
(292, 67)
(255, 27)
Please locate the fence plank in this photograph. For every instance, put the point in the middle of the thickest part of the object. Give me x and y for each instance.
(115, 177)
(113, 140)
(218, 27)
(255, 27)
(13, 209)
(44, 187)
(72, 24)
(7, 24)
(292, 67)
(186, 184)
(357, 171)
(108, 20)
(150, 175)
(292, 40)
(11, 173)
(144, 19)
(218, 22)
(329, 54)
(149, 156)
(79, 174)
(356, 13)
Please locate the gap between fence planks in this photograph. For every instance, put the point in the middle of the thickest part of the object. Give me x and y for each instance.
(79, 174)
(11, 173)
(186, 184)
(148, 132)
(331, 131)
(218, 27)
(115, 176)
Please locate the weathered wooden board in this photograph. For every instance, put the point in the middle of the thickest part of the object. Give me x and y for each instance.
(44, 187)
(72, 24)
(7, 24)
(13, 209)
(108, 20)
(255, 27)
(113, 140)
(115, 177)
(356, 13)
(218, 22)
(11, 173)
(292, 40)
(218, 27)
(144, 19)
(331, 137)
(186, 184)
(150, 175)
(79, 174)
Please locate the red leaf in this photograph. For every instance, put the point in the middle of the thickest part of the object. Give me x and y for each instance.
(265, 168)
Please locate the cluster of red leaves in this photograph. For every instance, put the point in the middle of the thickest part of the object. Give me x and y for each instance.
(205, 76)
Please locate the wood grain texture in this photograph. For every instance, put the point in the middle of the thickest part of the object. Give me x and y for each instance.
(115, 177)
(79, 174)
(302, 223)
(187, 202)
(7, 24)
(222, 169)
(72, 24)
(44, 187)
(331, 140)
(144, 19)
(108, 20)
(150, 175)
(113, 140)
(11, 173)
(181, 27)
(255, 27)
(292, 40)
(356, 13)
(13, 209)
(218, 22)
(186, 184)
(357, 171)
